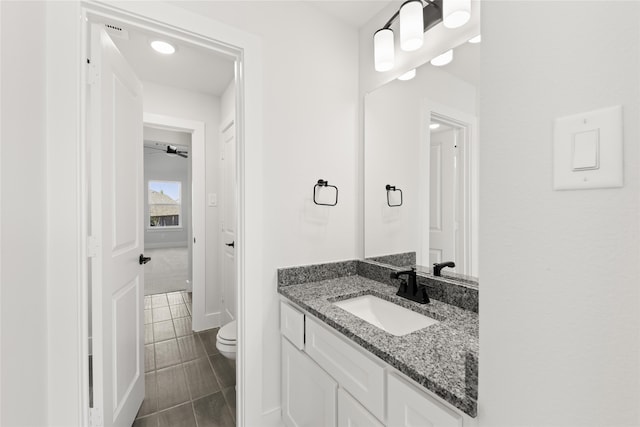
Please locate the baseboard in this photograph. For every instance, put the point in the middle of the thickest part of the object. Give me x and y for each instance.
(272, 418)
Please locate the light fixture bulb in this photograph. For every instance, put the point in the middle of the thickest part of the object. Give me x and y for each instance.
(476, 39)
(408, 75)
(163, 47)
(456, 13)
(383, 50)
(443, 59)
(434, 126)
(411, 25)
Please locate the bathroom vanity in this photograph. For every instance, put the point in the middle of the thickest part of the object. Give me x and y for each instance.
(338, 369)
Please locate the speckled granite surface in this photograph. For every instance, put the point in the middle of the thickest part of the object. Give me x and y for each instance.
(397, 260)
(315, 272)
(442, 357)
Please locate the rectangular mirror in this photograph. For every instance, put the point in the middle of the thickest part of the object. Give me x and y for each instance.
(420, 168)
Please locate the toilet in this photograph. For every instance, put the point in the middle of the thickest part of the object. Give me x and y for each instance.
(226, 340)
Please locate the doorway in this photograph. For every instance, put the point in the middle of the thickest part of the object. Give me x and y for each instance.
(167, 211)
(115, 359)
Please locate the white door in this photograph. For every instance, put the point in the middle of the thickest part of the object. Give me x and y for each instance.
(442, 234)
(228, 166)
(117, 277)
(308, 392)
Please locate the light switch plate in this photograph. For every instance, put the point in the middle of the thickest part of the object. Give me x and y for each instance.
(587, 150)
(213, 199)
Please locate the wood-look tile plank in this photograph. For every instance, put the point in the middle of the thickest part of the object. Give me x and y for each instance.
(163, 330)
(172, 387)
(167, 353)
(180, 416)
(183, 326)
(201, 378)
(225, 370)
(212, 411)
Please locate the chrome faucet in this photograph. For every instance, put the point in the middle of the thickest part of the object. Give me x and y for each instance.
(438, 267)
(409, 287)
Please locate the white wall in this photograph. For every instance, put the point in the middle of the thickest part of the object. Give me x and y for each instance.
(310, 108)
(195, 106)
(24, 349)
(395, 120)
(160, 167)
(560, 289)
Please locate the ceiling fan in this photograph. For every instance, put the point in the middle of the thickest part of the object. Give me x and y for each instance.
(172, 149)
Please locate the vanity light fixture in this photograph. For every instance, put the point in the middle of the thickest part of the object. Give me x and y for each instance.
(434, 126)
(456, 13)
(163, 47)
(383, 53)
(416, 17)
(408, 75)
(411, 25)
(476, 39)
(443, 59)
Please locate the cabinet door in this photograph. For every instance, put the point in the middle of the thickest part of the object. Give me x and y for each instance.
(352, 414)
(409, 406)
(309, 394)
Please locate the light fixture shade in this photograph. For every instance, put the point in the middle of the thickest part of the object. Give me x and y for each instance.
(411, 25)
(408, 75)
(456, 13)
(476, 39)
(383, 50)
(443, 59)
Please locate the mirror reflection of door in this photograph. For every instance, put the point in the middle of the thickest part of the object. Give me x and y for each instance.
(442, 193)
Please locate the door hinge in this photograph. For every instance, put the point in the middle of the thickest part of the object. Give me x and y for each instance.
(93, 246)
(95, 417)
(92, 73)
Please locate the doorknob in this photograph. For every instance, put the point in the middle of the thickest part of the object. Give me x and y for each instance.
(232, 244)
(144, 259)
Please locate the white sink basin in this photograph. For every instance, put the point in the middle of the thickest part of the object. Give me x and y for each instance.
(386, 315)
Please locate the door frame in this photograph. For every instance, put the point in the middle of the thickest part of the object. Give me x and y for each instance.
(198, 210)
(67, 248)
(467, 243)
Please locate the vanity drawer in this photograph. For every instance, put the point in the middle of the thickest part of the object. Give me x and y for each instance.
(292, 325)
(356, 372)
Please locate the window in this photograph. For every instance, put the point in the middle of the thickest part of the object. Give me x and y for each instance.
(165, 207)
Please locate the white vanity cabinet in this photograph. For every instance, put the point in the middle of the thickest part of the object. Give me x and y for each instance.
(352, 414)
(409, 406)
(308, 393)
(329, 381)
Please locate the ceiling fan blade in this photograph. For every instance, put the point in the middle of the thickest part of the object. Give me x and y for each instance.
(182, 154)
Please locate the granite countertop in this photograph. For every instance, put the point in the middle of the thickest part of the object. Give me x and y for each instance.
(442, 357)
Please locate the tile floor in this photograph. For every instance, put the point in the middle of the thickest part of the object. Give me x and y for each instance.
(188, 383)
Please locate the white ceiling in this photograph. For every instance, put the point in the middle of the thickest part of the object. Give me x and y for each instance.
(353, 12)
(190, 67)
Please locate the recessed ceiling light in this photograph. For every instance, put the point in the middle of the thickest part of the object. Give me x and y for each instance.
(408, 75)
(433, 126)
(476, 39)
(443, 59)
(163, 47)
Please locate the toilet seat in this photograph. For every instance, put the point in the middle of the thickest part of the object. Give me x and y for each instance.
(228, 333)
(226, 340)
